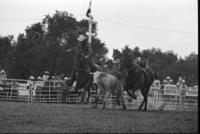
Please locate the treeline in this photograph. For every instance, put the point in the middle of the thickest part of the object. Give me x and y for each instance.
(43, 47)
(165, 63)
(44, 44)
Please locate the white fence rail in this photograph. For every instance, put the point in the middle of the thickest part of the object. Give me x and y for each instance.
(14, 89)
(172, 98)
(169, 97)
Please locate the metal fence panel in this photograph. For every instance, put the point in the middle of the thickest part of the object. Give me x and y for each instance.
(53, 92)
(15, 90)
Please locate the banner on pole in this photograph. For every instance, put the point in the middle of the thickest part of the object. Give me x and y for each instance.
(88, 13)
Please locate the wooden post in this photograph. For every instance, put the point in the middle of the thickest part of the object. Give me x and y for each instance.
(90, 30)
(49, 91)
(90, 21)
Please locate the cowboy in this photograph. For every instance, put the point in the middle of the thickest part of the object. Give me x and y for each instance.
(143, 64)
(82, 52)
(104, 62)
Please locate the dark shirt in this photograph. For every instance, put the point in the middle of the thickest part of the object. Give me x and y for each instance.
(80, 51)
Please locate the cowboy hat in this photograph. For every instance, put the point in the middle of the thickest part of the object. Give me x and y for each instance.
(81, 37)
(2, 71)
(46, 72)
(31, 78)
(66, 78)
(39, 78)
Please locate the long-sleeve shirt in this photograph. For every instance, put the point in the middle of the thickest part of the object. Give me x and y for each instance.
(81, 50)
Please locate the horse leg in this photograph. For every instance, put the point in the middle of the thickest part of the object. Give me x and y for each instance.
(121, 97)
(88, 92)
(88, 97)
(131, 95)
(106, 98)
(96, 101)
(82, 97)
(146, 99)
(144, 96)
(140, 107)
(118, 98)
(145, 103)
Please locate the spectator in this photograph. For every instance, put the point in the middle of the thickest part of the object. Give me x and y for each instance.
(164, 81)
(182, 90)
(179, 81)
(45, 76)
(171, 81)
(3, 75)
(65, 89)
(31, 87)
(157, 83)
(53, 78)
(168, 80)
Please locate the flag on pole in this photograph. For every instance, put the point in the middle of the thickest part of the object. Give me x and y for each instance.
(89, 10)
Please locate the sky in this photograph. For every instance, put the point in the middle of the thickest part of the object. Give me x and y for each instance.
(164, 24)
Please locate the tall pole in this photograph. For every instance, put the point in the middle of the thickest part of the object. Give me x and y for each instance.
(90, 21)
(90, 29)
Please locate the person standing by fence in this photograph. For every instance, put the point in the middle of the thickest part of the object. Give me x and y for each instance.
(65, 89)
(182, 91)
(31, 87)
(45, 76)
(2, 76)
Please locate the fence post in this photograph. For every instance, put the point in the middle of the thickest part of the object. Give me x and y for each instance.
(49, 91)
(11, 92)
(29, 90)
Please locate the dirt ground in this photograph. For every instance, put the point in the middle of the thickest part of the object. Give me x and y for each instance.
(24, 117)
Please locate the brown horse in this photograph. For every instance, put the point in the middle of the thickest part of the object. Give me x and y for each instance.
(135, 79)
(84, 80)
(110, 84)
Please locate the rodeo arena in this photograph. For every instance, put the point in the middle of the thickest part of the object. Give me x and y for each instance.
(164, 96)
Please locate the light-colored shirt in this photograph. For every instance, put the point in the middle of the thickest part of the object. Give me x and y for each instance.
(45, 77)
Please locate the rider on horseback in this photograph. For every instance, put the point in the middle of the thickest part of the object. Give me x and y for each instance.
(143, 64)
(83, 53)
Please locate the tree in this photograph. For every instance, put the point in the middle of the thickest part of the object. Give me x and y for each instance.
(6, 45)
(43, 46)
